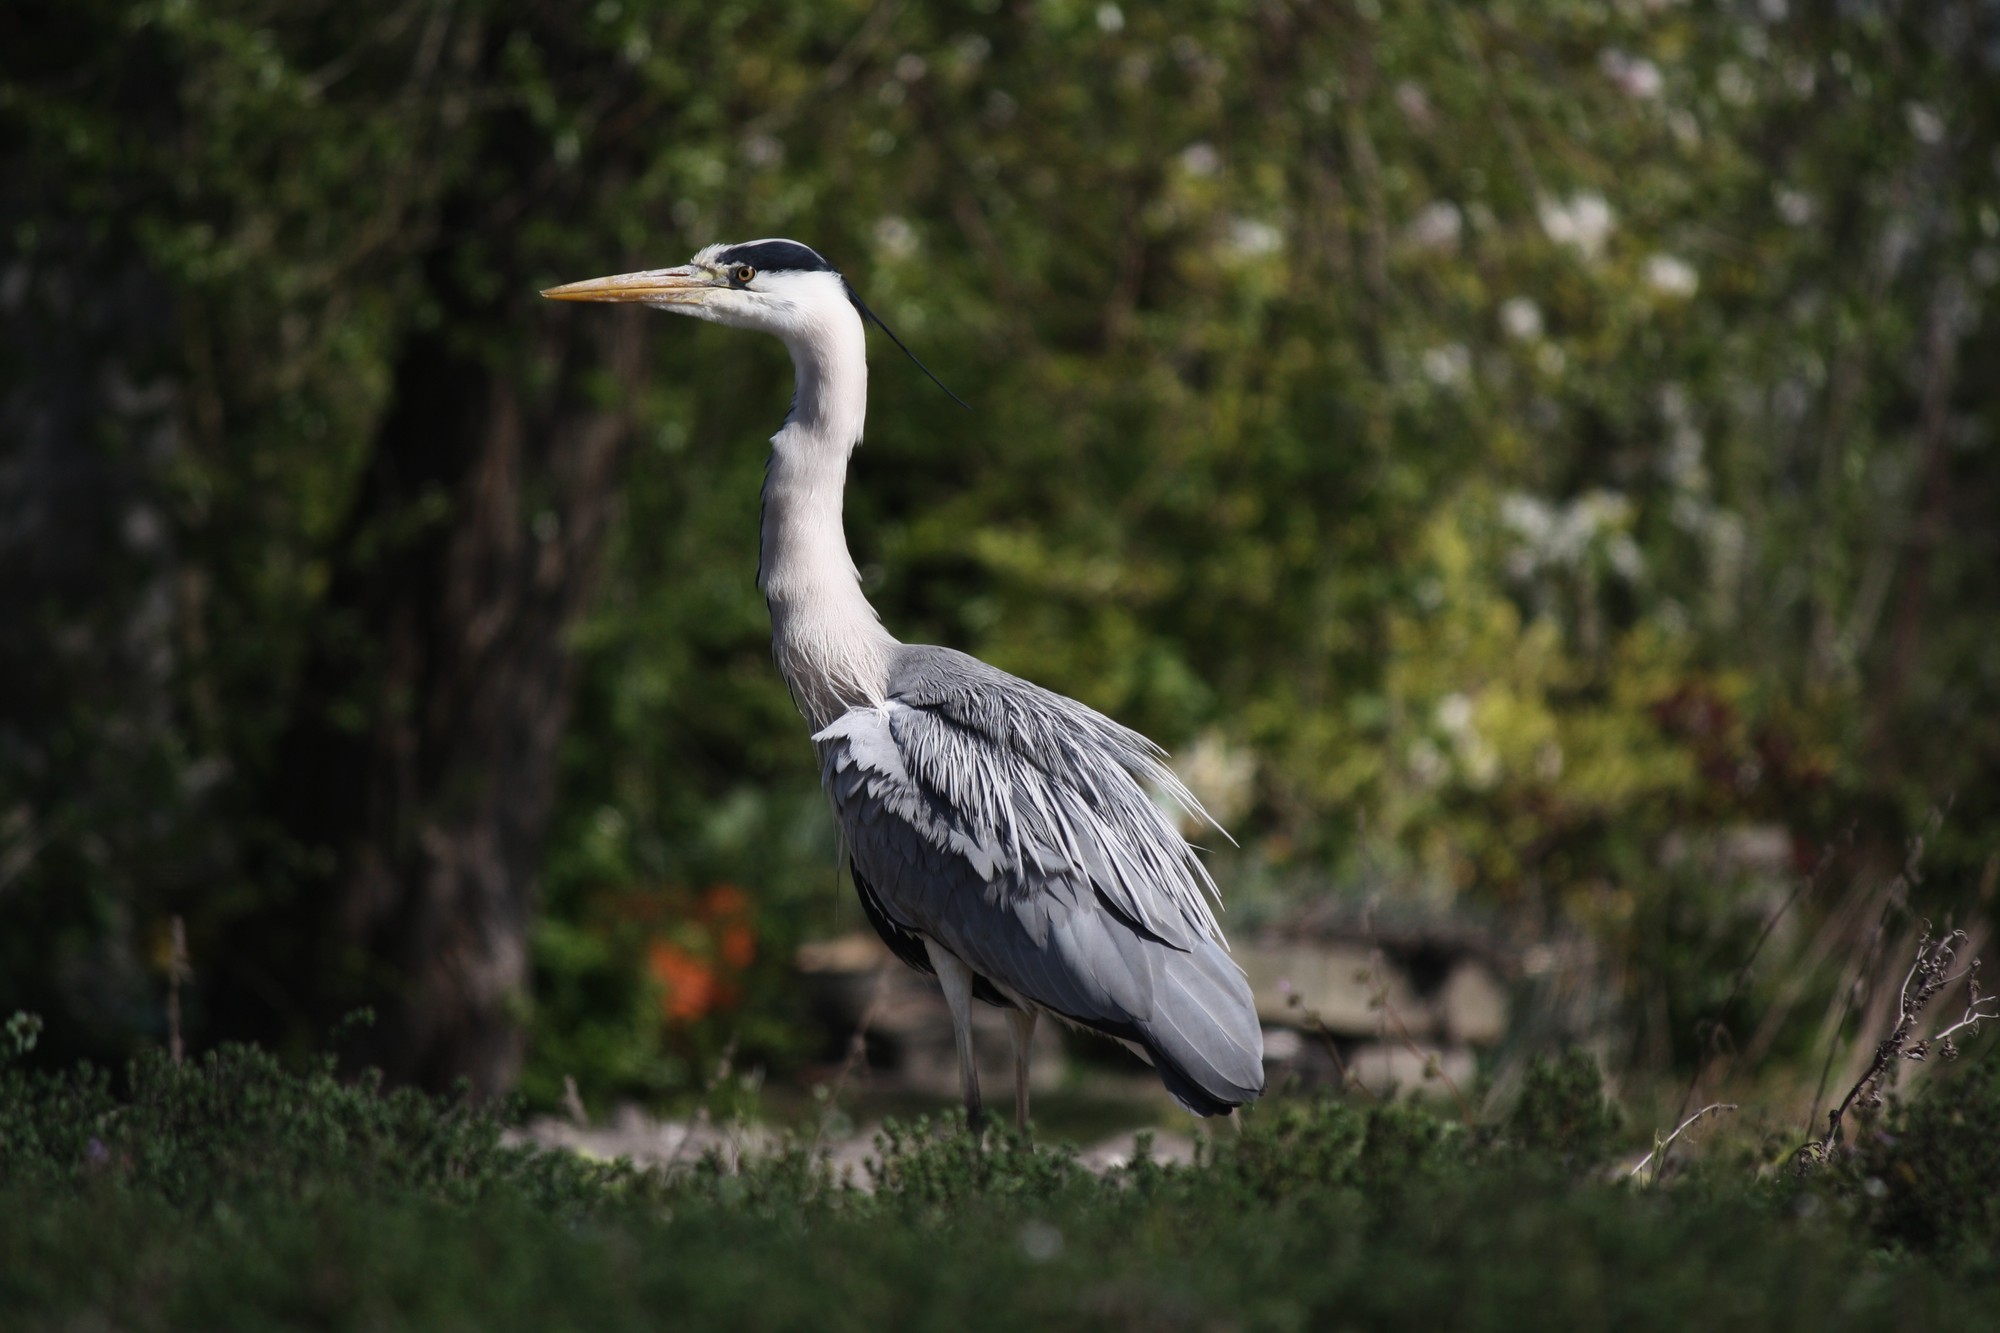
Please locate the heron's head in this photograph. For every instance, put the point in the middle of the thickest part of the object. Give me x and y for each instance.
(775, 286)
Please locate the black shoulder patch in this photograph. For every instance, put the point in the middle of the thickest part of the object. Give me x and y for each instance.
(777, 257)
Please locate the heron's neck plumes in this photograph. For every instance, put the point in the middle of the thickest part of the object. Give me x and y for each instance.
(829, 643)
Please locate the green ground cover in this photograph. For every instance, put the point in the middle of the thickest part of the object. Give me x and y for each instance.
(229, 1193)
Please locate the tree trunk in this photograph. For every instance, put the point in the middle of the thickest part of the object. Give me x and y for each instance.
(416, 775)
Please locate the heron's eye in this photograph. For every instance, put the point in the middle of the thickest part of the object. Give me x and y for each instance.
(743, 273)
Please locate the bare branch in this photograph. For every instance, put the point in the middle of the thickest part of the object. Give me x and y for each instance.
(178, 972)
(1930, 976)
(1660, 1148)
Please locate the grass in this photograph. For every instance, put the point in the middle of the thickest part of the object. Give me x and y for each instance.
(231, 1193)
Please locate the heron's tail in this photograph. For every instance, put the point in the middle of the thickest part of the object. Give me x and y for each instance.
(1203, 1036)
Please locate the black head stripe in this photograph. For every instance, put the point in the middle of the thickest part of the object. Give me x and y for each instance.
(791, 257)
(776, 257)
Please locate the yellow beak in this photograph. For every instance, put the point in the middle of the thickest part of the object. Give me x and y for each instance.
(660, 286)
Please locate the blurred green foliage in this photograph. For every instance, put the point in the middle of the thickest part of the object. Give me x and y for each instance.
(1562, 1109)
(1493, 439)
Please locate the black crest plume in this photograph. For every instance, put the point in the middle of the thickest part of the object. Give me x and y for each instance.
(866, 313)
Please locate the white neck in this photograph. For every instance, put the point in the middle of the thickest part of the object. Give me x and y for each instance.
(829, 643)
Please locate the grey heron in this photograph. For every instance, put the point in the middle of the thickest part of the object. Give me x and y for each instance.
(999, 835)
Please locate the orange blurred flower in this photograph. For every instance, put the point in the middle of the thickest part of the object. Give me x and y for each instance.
(697, 967)
(688, 986)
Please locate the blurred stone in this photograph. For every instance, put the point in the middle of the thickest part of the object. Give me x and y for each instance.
(1738, 851)
(1282, 1045)
(1334, 984)
(855, 951)
(851, 1155)
(1322, 995)
(1385, 1067)
(1473, 1004)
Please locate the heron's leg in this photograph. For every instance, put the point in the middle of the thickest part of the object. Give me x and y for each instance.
(1022, 1022)
(956, 978)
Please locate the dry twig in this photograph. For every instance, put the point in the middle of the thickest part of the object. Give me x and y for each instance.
(178, 971)
(1930, 976)
(1660, 1145)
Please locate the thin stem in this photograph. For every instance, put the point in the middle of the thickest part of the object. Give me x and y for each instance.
(1660, 1148)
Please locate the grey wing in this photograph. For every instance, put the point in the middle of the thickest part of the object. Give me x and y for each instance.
(1006, 823)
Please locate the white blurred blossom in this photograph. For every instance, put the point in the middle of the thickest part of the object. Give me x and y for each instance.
(1553, 534)
(1924, 122)
(896, 237)
(1250, 238)
(1448, 366)
(1201, 159)
(1584, 222)
(1415, 103)
(1521, 318)
(1794, 206)
(1623, 553)
(1454, 714)
(1436, 226)
(1670, 275)
(1221, 774)
(1110, 18)
(1635, 76)
(1478, 761)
